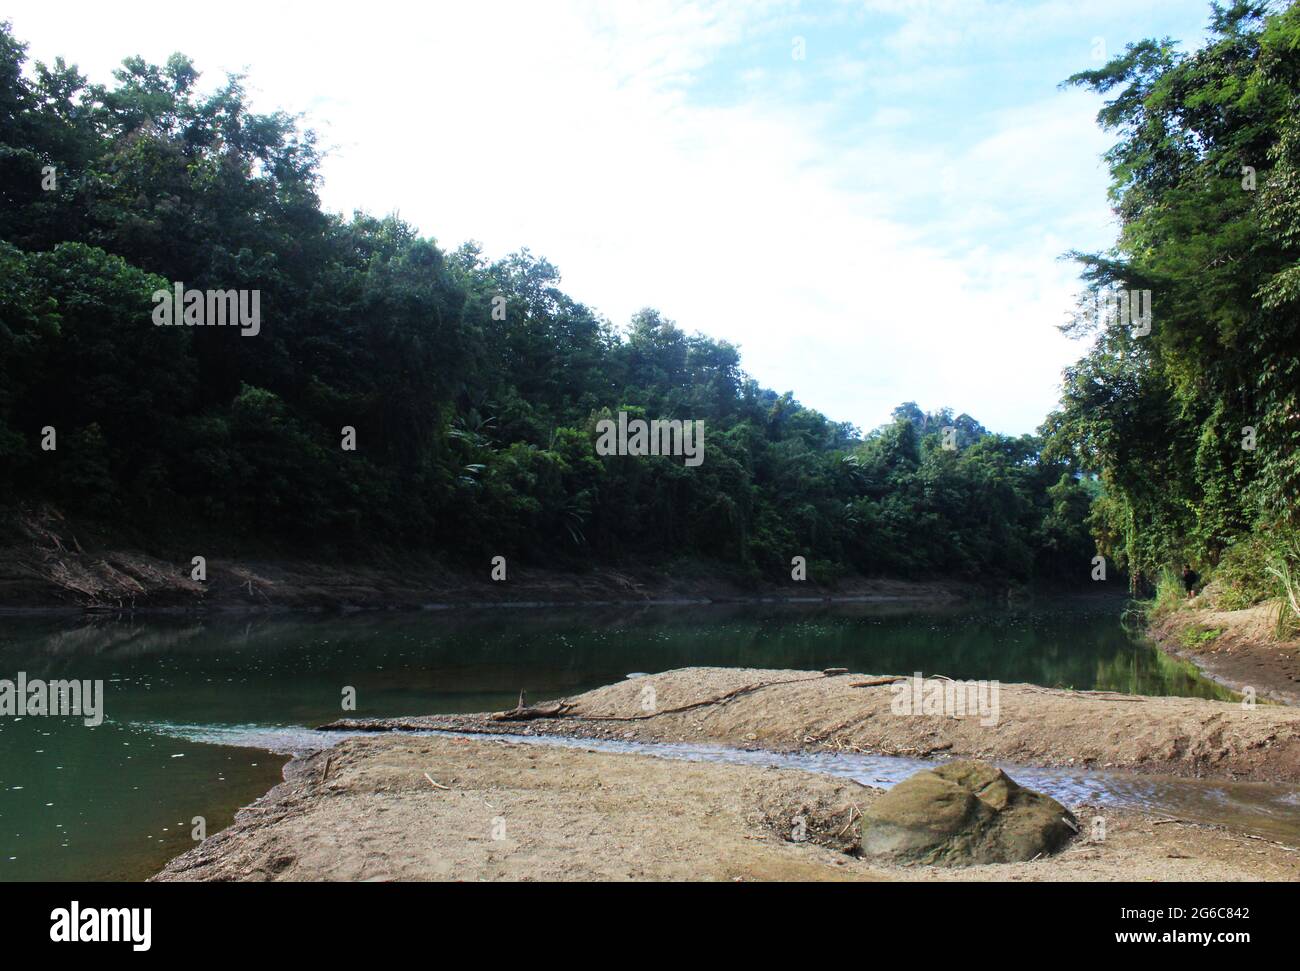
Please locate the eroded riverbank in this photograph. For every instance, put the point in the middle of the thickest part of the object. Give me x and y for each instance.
(45, 564)
(1235, 648)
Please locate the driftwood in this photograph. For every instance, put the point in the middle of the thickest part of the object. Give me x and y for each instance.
(721, 699)
(874, 682)
(561, 709)
(854, 814)
(522, 714)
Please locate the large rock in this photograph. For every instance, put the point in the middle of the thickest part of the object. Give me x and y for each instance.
(960, 814)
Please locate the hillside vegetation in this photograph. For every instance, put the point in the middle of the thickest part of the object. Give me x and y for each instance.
(473, 386)
(1193, 418)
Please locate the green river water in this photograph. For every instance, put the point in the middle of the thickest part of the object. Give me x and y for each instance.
(117, 800)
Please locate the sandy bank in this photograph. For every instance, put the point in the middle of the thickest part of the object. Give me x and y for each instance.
(1237, 648)
(437, 808)
(793, 710)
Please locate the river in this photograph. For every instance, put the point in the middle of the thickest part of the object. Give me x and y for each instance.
(193, 707)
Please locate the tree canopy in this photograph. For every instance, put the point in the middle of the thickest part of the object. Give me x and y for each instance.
(1195, 426)
(474, 386)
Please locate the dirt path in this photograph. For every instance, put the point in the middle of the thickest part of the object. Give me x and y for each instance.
(437, 808)
(791, 710)
(1234, 647)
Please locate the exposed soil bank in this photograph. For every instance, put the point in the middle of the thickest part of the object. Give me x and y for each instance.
(1236, 648)
(794, 710)
(46, 564)
(437, 808)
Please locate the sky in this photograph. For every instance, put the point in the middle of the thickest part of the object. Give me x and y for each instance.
(871, 198)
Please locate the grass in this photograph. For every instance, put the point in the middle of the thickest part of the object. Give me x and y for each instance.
(1284, 568)
(1170, 595)
(1258, 567)
(1195, 635)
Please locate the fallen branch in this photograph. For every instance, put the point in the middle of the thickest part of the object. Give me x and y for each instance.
(836, 729)
(561, 709)
(852, 809)
(721, 699)
(557, 710)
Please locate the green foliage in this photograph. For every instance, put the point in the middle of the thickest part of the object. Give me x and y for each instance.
(1163, 417)
(1194, 635)
(1240, 580)
(474, 385)
(1170, 593)
(1284, 567)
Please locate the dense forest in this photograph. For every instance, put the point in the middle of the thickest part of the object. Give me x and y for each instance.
(1194, 426)
(473, 387)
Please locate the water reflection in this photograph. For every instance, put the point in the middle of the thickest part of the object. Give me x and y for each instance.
(117, 800)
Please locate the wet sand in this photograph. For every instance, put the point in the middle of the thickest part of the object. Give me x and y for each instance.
(1236, 648)
(402, 807)
(421, 808)
(802, 710)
